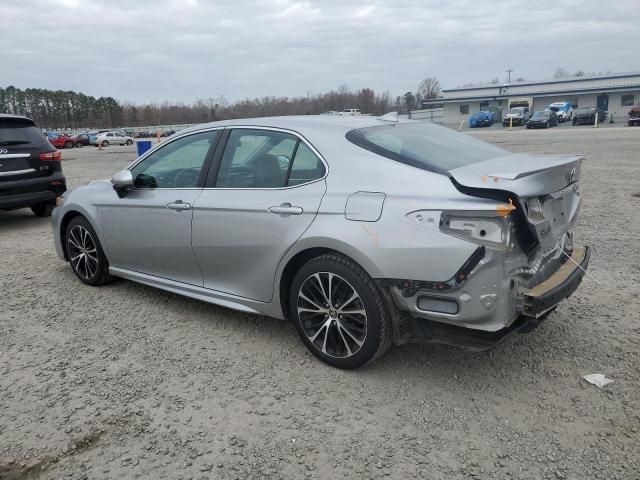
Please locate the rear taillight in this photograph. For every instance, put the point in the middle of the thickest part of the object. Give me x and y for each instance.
(55, 156)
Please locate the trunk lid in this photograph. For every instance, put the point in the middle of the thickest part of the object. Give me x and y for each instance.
(544, 189)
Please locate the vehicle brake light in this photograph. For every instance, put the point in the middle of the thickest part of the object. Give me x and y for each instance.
(55, 156)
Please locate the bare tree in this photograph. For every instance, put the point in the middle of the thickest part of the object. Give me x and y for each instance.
(560, 73)
(429, 88)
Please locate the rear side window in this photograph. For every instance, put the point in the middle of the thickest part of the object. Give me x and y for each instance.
(19, 132)
(306, 166)
(425, 146)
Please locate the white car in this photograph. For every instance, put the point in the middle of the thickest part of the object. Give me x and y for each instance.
(113, 138)
(564, 110)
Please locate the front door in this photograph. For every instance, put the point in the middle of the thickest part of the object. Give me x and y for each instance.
(149, 230)
(266, 194)
(603, 102)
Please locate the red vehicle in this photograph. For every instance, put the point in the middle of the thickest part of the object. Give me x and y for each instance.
(60, 140)
(80, 140)
(634, 116)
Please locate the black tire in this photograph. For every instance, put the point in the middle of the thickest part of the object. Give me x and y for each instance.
(43, 209)
(129, 142)
(105, 143)
(80, 238)
(347, 276)
(78, 145)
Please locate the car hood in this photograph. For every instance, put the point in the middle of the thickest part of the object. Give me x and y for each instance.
(539, 120)
(513, 115)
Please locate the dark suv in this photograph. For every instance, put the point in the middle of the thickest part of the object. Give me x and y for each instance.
(30, 170)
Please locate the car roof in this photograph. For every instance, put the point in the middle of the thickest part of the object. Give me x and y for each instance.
(10, 115)
(302, 123)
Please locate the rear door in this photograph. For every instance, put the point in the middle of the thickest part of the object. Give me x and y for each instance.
(263, 192)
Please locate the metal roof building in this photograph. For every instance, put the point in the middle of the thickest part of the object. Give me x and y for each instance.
(616, 93)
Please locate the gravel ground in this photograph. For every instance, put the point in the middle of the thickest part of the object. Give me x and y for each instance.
(126, 381)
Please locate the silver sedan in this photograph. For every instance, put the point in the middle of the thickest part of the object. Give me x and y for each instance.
(363, 231)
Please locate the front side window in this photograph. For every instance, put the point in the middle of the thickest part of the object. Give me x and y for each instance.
(425, 146)
(266, 159)
(177, 164)
(627, 100)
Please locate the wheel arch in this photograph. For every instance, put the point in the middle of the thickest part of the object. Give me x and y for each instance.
(64, 223)
(302, 256)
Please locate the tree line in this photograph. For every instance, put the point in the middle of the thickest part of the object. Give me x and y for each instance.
(61, 109)
(58, 109)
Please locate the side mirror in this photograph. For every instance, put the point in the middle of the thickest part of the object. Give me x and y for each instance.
(122, 181)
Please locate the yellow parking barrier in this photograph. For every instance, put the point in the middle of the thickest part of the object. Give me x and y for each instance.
(510, 123)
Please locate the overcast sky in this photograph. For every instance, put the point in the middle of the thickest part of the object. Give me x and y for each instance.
(181, 50)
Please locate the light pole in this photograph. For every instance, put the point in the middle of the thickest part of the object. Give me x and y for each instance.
(509, 74)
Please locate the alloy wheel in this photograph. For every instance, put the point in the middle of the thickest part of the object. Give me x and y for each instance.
(332, 314)
(83, 253)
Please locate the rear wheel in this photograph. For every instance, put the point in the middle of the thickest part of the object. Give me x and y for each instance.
(339, 312)
(129, 142)
(43, 209)
(85, 253)
(68, 145)
(105, 143)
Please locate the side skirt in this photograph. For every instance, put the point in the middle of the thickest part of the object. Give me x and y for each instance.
(199, 293)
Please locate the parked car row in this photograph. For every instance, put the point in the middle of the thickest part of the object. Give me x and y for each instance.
(553, 115)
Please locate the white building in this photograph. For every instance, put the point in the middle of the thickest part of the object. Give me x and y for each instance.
(616, 93)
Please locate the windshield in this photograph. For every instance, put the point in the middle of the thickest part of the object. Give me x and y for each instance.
(517, 111)
(540, 115)
(425, 146)
(554, 109)
(585, 110)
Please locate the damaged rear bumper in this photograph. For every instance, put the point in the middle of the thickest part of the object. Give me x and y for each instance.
(470, 333)
(546, 295)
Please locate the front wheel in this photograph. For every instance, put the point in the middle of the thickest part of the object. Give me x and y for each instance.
(85, 253)
(339, 312)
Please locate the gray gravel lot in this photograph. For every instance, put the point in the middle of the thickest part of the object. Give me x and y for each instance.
(125, 381)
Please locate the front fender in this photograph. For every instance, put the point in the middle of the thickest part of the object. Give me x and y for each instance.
(80, 201)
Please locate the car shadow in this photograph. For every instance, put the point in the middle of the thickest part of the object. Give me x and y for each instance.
(513, 362)
(20, 218)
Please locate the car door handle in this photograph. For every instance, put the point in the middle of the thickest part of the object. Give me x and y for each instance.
(286, 209)
(179, 205)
